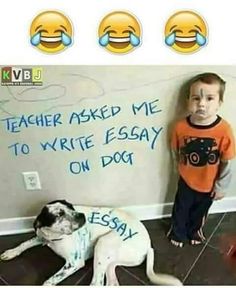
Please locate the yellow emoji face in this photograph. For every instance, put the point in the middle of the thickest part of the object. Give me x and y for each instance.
(119, 32)
(185, 32)
(51, 32)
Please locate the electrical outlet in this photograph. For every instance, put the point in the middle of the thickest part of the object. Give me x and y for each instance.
(32, 181)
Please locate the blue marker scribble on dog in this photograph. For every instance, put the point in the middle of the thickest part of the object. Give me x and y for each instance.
(134, 40)
(76, 255)
(104, 40)
(114, 223)
(170, 40)
(35, 39)
(84, 249)
(200, 39)
(65, 39)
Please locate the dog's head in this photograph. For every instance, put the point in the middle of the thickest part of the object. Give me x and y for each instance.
(58, 218)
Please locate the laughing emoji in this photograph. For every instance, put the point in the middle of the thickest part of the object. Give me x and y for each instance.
(119, 32)
(185, 32)
(51, 32)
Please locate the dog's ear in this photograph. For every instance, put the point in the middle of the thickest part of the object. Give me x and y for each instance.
(37, 224)
(80, 217)
(45, 218)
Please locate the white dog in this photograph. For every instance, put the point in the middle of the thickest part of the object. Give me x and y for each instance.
(112, 236)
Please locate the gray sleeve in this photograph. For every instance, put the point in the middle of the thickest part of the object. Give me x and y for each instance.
(224, 176)
(175, 159)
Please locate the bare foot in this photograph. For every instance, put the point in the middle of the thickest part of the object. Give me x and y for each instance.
(176, 243)
(195, 242)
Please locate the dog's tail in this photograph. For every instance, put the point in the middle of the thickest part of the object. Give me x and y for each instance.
(158, 278)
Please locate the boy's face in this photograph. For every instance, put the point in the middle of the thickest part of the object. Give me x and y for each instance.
(204, 100)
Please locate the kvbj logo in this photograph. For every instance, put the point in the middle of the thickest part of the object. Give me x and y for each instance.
(14, 76)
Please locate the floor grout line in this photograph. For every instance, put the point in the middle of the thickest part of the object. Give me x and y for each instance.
(213, 247)
(133, 275)
(82, 277)
(3, 280)
(203, 249)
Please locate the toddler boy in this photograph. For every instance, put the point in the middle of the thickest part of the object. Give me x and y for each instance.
(203, 145)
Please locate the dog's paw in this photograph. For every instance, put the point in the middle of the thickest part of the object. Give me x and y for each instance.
(48, 283)
(9, 254)
(115, 283)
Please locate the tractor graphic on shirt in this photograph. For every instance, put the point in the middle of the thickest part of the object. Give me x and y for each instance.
(199, 151)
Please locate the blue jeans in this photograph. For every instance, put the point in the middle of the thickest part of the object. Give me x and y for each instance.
(189, 212)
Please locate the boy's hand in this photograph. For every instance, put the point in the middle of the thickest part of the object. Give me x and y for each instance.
(217, 195)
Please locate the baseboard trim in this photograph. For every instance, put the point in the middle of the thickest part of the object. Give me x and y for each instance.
(19, 225)
(158, 211)
(11, 226)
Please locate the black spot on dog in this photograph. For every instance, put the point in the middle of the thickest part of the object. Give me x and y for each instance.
(45, 218)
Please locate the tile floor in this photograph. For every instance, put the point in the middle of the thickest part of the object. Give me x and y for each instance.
(200, 265)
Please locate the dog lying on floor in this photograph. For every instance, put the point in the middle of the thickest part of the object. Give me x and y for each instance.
(111, 236)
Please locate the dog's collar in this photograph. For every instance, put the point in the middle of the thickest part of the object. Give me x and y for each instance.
(58, 239)
(47, 241)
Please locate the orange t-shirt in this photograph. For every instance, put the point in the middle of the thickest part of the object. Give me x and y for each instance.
(200, 149)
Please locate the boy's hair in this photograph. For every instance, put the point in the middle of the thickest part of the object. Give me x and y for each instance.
(208, 78)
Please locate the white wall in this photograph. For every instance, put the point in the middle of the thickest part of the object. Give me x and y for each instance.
(146, 179)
